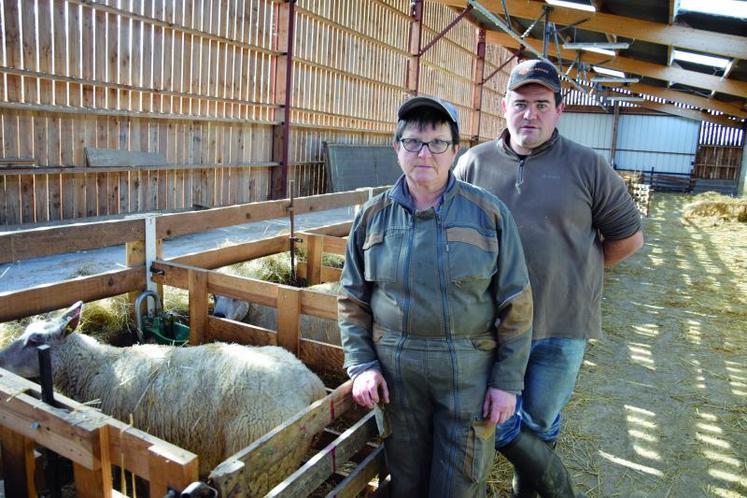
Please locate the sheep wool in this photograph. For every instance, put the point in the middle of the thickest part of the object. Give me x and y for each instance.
(213, 399)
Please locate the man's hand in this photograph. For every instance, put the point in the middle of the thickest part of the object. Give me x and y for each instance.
(498, 406)
(366, 388)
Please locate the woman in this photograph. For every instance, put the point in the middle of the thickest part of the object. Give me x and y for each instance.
(435, 312)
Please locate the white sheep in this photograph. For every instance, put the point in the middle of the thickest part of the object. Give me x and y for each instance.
(212, 399)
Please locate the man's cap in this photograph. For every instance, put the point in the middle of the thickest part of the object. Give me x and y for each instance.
(535, 71)
(423, 102)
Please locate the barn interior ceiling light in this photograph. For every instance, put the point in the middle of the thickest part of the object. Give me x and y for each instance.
(602, 45)
(625, 98)
(609, 72)
(605, 79)
(572, 5)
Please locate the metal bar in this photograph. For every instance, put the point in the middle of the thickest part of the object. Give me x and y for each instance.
(546, 37)
(288, 95)
(505, 13)
(498, 22)
(443, 32)
(52, 472)
(414, 46)
(498, 69)
(534, 23)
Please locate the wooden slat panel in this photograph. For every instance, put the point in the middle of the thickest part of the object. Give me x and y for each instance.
(325, 463)
(261, 457)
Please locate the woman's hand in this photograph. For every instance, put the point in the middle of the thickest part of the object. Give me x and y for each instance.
(366, 388)
(498, 407)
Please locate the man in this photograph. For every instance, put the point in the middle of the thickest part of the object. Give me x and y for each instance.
(575, 218)
(435, 312)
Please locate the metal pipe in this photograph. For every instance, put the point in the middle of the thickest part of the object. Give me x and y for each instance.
(443, 32)
(498, 22)
(288, 94)
(498, 69)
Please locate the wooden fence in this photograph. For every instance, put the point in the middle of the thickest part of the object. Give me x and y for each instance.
(718, 162)
(94, 442)
(199, 83)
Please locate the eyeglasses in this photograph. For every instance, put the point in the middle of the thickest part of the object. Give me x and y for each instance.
(436, 146)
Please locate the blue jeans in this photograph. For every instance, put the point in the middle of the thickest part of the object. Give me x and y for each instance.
(548, 385)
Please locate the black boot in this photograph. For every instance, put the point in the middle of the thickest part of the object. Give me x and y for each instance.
(521, 486)
(537, 467)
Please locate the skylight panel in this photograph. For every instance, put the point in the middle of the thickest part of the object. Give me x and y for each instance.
(572, 5)
(727, 8)
(705, 60)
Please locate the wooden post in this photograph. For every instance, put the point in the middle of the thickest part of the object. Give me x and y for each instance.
(96, 482)
(282, 80)
(313, 259)
(163, 475)
(18, 464)
(615, 126)
(478, 73)
(134, 256)
(289, 318)
(416, 37)
(198, 305)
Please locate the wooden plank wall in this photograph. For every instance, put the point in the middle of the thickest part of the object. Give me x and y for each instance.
(192, 80)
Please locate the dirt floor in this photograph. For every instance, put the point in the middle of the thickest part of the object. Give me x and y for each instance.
(660, 408)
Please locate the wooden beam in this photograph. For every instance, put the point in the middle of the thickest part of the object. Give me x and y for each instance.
(225, 330)
(223, 256)
(51, 297)
(170, 225)
(320, 356)
(318, 304)
(635, 66)
(38, 242)
(688, 98)
(629, 27)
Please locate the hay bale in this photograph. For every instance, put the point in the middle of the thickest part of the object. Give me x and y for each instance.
(717, 208)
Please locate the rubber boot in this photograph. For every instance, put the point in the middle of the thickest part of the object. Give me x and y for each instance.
(538, 467)
(521, 486)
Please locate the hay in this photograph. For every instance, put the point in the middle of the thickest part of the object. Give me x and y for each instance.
(716, 208)
(333, 260)
(176, 301)
(108, 320)
(274, 268)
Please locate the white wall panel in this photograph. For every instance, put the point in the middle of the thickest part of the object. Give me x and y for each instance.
(592, 130)
(665, 143)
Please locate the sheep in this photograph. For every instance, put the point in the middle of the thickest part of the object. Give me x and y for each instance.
(213, 399)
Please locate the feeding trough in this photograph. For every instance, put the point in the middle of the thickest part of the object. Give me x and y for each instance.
(164, 328)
